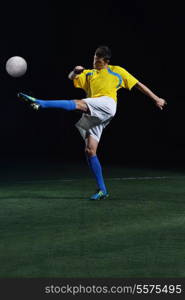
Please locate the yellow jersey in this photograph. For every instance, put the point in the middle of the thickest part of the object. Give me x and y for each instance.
(104, 82)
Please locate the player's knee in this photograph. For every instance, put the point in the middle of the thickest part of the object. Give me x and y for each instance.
(90, 151)
(81, 105)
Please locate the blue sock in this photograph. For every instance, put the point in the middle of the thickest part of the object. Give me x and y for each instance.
(97, 171)
(64, 104)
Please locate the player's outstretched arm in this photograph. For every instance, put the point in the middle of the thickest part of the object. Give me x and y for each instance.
(159, 102)
(76, 71)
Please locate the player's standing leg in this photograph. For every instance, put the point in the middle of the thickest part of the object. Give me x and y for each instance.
(94, 163)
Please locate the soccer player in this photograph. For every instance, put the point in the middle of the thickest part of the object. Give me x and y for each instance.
(100, 85)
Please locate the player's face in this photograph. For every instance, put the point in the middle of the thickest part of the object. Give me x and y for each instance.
(99, 63)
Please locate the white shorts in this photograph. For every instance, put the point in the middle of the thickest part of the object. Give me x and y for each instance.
(102, 110)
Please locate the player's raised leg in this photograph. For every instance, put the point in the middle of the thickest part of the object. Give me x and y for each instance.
(94, 163)
(61, 104)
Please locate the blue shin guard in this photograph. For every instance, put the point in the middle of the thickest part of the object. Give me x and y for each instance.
(63, 104)
(97, 172)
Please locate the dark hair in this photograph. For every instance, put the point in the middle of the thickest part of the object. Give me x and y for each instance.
(103, 52)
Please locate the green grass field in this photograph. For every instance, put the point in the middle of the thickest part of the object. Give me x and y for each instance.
(49, 228)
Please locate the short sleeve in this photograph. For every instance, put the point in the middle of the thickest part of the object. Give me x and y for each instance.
(128, 80)
(80, 80)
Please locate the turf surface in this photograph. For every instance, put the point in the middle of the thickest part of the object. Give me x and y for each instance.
(49, 228)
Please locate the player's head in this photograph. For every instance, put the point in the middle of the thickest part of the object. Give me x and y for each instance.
(101, 57)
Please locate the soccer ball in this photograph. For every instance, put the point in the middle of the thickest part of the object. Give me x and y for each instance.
(16, 66)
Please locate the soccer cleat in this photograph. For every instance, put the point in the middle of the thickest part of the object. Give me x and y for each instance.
(30, 100)
(26, 97)
(35, 106)
(99, 195)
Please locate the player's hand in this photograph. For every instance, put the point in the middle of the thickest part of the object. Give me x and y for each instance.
(78, 69)
(160, 103)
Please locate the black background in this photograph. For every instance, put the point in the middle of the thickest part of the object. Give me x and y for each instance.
(146, 38)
